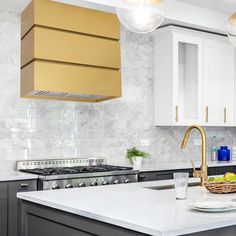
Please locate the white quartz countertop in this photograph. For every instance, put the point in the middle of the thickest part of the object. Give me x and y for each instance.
(135, 207)
(182, 165)
(15, 175)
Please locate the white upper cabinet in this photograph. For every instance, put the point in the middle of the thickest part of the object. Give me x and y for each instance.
(193, 71)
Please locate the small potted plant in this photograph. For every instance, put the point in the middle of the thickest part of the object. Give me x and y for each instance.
(136, 156)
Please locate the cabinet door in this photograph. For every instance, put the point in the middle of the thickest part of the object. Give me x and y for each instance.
(3, 217)
(218, 83)
(13, 212)
(187, 79)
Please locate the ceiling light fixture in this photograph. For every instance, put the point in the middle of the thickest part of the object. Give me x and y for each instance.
(232, 29)
(140, 16)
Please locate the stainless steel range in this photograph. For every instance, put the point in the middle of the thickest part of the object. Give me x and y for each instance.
(72, 173)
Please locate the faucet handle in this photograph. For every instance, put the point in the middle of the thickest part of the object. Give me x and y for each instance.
(192, 161)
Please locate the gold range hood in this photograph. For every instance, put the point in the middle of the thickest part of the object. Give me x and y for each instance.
(69, 53)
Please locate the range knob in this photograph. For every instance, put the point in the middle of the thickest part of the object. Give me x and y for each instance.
(82, 185)
(94, 183)
(127, 181)
(116, 181)
(55, 186)
(69, 186)
(105, 182)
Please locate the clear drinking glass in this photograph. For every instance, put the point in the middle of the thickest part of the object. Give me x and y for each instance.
(181, 185)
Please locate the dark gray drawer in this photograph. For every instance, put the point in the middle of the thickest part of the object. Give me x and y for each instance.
(3, 190)
(24, 186)
(164, 175)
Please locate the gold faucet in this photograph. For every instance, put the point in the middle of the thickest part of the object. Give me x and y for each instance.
(202, 173)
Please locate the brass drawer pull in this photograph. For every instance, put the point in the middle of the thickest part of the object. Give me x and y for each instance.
(207, 114)
(177, 113)
(225, 115)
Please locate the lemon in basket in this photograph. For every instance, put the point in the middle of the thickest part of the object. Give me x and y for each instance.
(229, 176)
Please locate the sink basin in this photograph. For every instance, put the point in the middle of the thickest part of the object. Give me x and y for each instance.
(171, 186)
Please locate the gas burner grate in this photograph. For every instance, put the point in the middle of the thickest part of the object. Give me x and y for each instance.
(75, 170)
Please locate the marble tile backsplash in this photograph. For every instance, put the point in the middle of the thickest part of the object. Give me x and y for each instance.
(40, 129)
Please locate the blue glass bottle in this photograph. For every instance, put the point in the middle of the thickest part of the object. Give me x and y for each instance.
(223, 153)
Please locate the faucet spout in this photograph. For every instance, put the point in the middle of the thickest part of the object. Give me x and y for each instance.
(203, 172)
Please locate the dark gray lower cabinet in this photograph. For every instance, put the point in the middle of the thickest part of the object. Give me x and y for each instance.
(168, 174)
(38, 220)
(13, 203)
(3, 208)
(9, 205)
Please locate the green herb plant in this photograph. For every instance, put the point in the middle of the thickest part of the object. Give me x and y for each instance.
(134, 152)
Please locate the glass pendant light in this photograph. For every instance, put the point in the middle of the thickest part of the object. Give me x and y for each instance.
(232, 29)
(140, 16)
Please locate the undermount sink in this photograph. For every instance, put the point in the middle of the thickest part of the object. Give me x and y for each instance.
(171, 186)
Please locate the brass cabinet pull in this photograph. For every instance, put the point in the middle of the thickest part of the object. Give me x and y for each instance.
(225, 115)
(207, 111)
(177, 113)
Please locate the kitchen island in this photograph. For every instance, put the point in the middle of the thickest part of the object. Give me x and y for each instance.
(122, 210)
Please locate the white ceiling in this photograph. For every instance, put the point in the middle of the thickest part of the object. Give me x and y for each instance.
(13, 5)
(197, 13)
(18, 6)
(225, 6)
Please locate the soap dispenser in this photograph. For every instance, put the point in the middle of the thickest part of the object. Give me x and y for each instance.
(214, 150)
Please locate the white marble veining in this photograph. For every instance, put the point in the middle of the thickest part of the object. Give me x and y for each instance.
(40, 129)
(15, 175)
(135, 207)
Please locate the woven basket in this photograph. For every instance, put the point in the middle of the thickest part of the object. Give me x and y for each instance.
(221, 187)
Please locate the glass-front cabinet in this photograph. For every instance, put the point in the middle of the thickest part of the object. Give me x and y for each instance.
(187, 79)
(194, 84)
